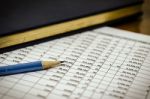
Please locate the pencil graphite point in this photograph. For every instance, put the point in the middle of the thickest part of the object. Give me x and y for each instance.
(62, 61)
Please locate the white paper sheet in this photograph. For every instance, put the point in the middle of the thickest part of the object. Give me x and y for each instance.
(104, 63)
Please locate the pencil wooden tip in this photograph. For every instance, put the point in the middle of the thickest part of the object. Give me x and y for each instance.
(50, 64)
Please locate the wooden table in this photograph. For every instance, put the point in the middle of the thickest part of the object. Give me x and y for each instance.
(140, 24)
(133, 26)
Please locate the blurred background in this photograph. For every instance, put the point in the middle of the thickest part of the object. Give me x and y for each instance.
(145, 23)
(140, 24)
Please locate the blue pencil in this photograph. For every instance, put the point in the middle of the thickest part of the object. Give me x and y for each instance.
(28, 67)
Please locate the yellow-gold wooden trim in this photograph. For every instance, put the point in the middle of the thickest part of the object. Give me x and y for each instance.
(67, 26)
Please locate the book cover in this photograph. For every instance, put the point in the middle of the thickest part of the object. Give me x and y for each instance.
(23, 20)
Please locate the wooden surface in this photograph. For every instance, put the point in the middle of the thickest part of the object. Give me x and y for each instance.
(133, 26)
(138, 25)
(141, 24)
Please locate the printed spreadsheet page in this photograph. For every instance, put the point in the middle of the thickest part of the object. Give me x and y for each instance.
(104, 63)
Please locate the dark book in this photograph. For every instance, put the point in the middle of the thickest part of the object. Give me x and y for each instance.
(27, 20)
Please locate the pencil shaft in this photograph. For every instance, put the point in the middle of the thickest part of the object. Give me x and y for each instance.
(20, 68)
